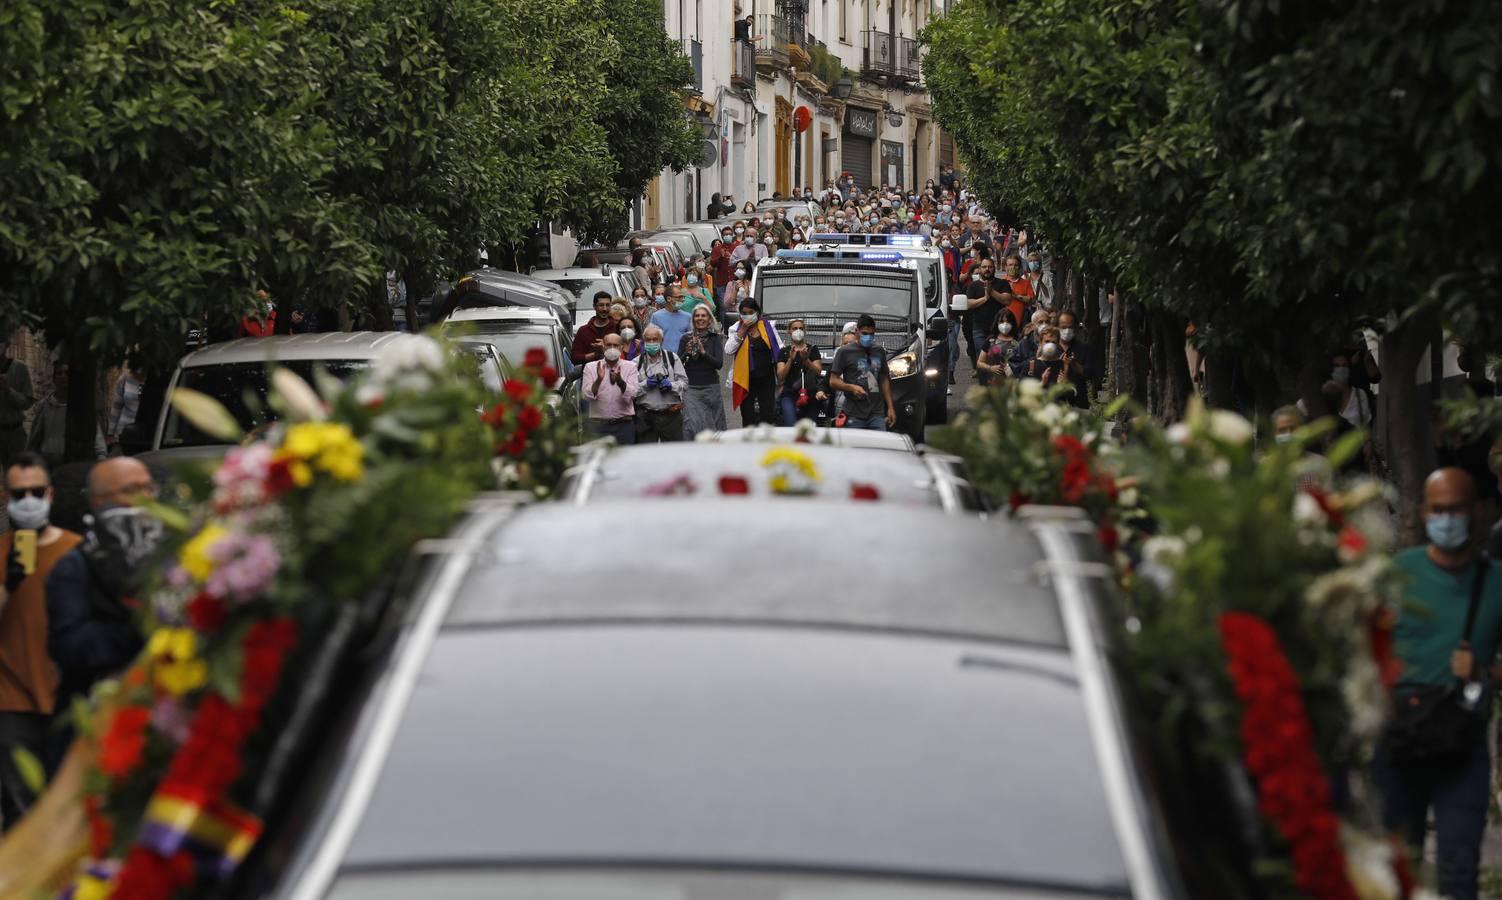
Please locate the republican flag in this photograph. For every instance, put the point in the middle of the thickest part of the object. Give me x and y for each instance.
(740, 382)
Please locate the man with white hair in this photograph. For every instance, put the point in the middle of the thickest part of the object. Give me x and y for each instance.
(659, 392)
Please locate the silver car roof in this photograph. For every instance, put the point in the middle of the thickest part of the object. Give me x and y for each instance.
(296, 347)
(502, 313)
(858, 438)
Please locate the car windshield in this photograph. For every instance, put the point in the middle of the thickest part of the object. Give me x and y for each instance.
(512, 342)
(242, 389)
(846, 295)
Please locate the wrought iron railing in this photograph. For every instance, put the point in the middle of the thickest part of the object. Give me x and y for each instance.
(772, 34)
(909, 59)
(743, 61)
(879, 56)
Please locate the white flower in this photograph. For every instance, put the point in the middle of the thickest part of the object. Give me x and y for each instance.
(1177, 433)
(707, 436)
(1369, 866)
(1220, 468)
(1050, 415)
(413, 353)
(1229, 428)
(1193, 534)
(1306, 510)
(1128, 497)
(1164, 548)
(988, 433)
(1029, 387)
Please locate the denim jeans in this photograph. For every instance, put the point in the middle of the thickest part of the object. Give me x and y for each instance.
(875, 423)
(1459, 793)
(954, 346)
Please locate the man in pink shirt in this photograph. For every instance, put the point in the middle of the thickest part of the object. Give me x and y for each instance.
(610, 387)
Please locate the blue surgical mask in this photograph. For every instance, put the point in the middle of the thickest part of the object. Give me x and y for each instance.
(653, 347)
(1033, 265)
(867, 340)
(1448, 531)
(692, 278)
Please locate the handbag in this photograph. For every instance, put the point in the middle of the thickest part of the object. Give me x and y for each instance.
(1440, 723)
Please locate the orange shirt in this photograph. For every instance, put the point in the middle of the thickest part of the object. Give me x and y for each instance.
(28, 680)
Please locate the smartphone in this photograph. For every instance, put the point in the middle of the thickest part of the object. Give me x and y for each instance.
(25, 542)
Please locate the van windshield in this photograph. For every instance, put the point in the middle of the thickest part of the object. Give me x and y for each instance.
(846, 295)
(242, 389)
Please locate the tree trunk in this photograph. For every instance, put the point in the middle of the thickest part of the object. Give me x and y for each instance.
(83, 417)
(1132, 360)
(1410, 446)
(1172, 383)
(1220, 380)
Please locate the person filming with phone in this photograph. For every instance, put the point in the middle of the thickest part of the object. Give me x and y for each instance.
(28, 681)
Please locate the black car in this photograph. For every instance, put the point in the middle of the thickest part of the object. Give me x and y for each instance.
(488, 287)
(705, 699)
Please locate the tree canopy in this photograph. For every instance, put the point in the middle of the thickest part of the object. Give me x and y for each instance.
(160, 163)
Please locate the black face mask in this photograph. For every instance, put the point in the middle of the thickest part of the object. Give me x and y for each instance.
(120, 542)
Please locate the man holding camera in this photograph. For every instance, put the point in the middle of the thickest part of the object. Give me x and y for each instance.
(659, 394)
(28, 681)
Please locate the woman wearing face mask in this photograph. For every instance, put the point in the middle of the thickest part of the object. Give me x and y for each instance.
(703, 354)
(753, 347)
(738, 290)
(978, 253)
(749, 209)
(1048, 365)
(799, 369)
(997, 359)
(639, 258)
(696, 293)
(1040, 281)
(628, 331)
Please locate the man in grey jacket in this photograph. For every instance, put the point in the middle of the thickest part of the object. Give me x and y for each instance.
(659, 394)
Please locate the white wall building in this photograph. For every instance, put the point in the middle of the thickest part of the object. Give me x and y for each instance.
(759, 94)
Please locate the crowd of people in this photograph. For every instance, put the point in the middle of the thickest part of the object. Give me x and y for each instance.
(710, 324)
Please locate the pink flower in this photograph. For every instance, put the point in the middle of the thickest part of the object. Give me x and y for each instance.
(239, 481)
(244, 565)
(171, 719)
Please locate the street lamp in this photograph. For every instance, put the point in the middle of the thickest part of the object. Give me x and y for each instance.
(842, 88)
(707, 125)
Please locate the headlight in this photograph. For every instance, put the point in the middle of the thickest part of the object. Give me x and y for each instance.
(903, 364)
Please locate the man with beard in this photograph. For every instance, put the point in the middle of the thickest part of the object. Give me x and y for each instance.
(91, 628)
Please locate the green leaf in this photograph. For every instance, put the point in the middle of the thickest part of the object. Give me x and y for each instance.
(29, 768)
(207, 414)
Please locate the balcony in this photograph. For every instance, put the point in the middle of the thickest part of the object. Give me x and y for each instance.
(743, 65)
(891, 56)
(694, 50)
(772, 38)
(909, 59)
(879, 54)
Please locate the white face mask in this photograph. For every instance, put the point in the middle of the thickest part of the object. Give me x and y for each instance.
(798, 334)
(1066, 334)
(29, 513)
(612, 354)
(748, 318)
(628, 333)
(740, 273)
(740, 231)
(1006, 328)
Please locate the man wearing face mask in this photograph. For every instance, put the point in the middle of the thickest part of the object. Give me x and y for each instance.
(28, 682)
(659, 396)
(92, 631)
(749, 250)
(860, 372)
(1446, 638)
(611, 385)
(675, 318)
(588, 342)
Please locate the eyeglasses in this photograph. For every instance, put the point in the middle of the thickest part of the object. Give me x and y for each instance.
(23, 493)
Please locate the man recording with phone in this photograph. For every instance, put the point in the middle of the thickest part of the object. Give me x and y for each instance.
(28, 681)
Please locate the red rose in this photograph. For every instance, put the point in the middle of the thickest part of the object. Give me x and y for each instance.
(529, 418)
(515, 447)
(548, 375)
(734, 484)
(279, 478)
(101, 830)
(205, 613)
(124, 740)
(147, 876)
(1070, 446)
(864, 492)
(1108, 537)
(518, 390)
(536, 358)
(494, 417)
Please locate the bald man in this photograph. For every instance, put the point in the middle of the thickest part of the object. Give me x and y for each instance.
(1445, 577)
(92, 632)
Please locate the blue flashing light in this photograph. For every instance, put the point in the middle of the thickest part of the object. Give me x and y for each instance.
(906, 240)
(829, 238)
(797, 254)
(881, 257)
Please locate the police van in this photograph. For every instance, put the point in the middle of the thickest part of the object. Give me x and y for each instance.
(828, 287)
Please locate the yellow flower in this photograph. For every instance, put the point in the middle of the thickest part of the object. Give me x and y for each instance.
(794, 458)
(194, 557)
(329, 446)
(176, 667)
(91, 888)
(793, 472)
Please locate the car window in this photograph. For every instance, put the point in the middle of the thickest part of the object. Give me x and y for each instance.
(242, 389)
(512, 342)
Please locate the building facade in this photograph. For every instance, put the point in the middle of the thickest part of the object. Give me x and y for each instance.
(768, 99)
